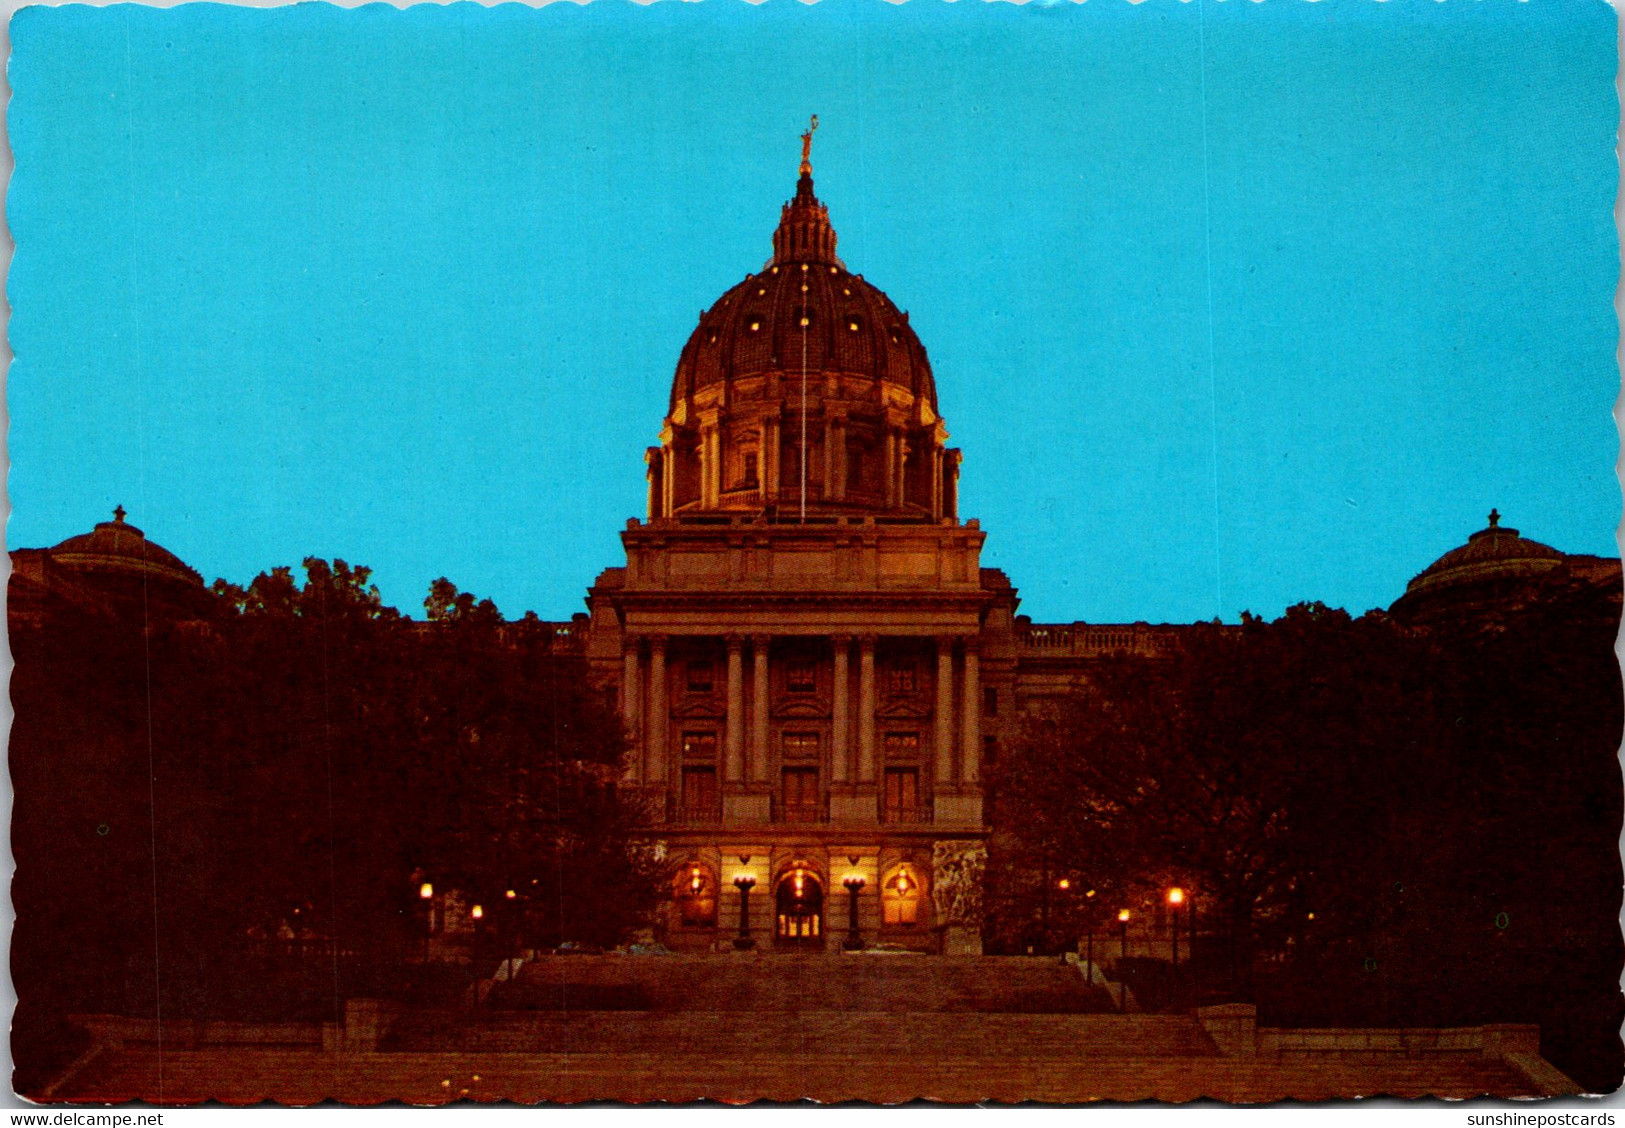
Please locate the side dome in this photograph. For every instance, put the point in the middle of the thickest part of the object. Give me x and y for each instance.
(118, 547)
(1494, 560)
(803, 387)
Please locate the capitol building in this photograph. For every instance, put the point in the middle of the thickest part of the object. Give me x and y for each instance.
(812, 665)
(811, 661)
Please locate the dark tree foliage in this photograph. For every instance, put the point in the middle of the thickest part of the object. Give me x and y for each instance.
(1379, 826)
(185, 790)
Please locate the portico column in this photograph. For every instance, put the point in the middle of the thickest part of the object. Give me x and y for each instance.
(735, 748)
(758, 717)
(866, 709)
(841, 753)
(945, 711)
(631, 702)
(971, 726)
(655, 752)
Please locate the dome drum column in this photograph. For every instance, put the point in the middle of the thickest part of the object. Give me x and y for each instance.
(835, 458)
(770, 458)
(892, 468)
(936, 482)
(654, 459)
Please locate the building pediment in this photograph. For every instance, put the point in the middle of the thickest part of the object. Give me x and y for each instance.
(701, 708)
(904, 707)
(803, 708)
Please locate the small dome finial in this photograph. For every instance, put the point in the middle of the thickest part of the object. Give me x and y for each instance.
(118, 514)
(1495, 518)
(806, 147)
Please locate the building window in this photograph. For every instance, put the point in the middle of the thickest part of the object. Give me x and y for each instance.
(902, 747)
(700, 746)
(801, 676)
(900, 898)
(990, 750)
(900, 801)
(990, 701)
(696, 896)
(701, 675)
(750, 469)
(801, 802)
(700, 793)
(903, 677)
(799, 746)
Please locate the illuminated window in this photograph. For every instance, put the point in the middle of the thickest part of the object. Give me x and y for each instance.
(700, 746)
(900, 898)
(696, 895)
(799, 745)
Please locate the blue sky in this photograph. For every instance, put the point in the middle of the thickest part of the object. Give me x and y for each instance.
(1230, 305)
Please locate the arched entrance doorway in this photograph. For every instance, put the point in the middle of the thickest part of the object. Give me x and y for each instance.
(799, 911)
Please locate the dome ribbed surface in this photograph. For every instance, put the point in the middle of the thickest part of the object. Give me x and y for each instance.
(805, 308)
(120, 546)
(1491, 553)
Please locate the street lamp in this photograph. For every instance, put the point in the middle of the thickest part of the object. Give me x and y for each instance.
(1176, 897)
(744, 883)
(1122, 958)
(426, 896)
(854, 886)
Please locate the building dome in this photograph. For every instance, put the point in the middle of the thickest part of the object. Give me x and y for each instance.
(804, 309)
(803, 385)
(118, 547)
(1494, 560)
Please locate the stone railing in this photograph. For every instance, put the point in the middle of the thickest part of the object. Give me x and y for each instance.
(1235, 1032)
(1084, 640)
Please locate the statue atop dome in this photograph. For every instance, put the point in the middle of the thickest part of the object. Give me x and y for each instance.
(806, 147)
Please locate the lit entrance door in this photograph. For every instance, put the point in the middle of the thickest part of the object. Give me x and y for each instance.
(799, 911)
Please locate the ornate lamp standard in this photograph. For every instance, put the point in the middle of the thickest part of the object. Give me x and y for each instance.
(1176, 898)
(426, 898)
(1122, 957)
(854, 886)
(744, 883)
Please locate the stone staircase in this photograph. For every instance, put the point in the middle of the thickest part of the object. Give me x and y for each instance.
(825, 1028)
(293, 1077)
(795, 984)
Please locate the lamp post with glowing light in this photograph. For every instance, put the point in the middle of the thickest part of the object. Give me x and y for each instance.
(1176, 898)
(426, 899)
(744, 883)
(854, 886)
(1122, 959)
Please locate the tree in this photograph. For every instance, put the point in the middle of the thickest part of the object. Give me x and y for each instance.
(1240, 768)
